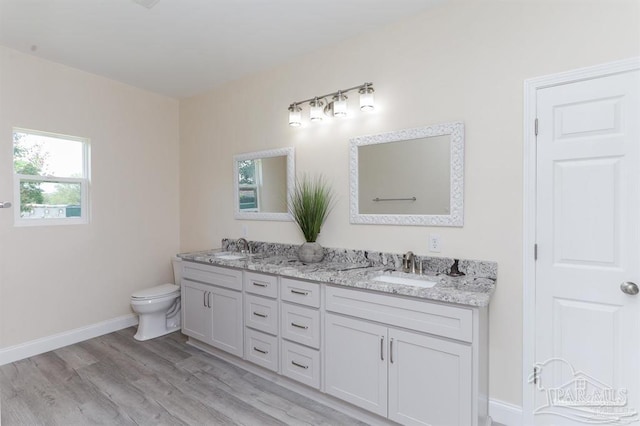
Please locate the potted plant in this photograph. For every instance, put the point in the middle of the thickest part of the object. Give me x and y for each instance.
(311, 202)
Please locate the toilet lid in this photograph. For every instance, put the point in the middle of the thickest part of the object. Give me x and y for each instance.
(155, 292)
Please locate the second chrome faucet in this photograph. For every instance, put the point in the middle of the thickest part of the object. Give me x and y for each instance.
(409, 263)
(246, 248)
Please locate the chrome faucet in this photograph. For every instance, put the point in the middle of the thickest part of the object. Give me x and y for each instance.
(245, 244)
(409, 262)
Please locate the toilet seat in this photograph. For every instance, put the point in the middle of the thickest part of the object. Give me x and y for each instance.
(157, 292)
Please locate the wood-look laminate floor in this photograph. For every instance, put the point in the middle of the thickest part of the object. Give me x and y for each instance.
(116, 380)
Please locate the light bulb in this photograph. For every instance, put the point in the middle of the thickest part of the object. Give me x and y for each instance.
(295, 116)
(366, 98)
(316, 113)
(340, 105)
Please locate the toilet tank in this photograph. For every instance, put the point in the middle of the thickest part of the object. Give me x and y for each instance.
(177, 270)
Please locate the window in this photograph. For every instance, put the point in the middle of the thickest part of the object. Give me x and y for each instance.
(51, 176)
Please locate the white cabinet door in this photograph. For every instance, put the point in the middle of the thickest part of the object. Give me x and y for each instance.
(356, 362)
(196, 315)
(429, 380)
(226, 320)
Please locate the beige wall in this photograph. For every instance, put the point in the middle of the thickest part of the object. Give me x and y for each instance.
(57, 278)
(465, 61)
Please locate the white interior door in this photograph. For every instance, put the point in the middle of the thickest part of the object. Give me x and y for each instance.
(587, 343)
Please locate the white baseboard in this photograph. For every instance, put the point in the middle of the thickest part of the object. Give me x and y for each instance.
(49, 343)
(505, 413)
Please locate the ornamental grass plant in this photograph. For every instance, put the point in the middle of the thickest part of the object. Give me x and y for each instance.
(311, 202)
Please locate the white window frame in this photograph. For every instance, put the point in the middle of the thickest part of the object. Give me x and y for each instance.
(83, 181)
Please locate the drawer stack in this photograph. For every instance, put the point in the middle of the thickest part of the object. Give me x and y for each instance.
(300, 331)
(261, 320)
(282, 326)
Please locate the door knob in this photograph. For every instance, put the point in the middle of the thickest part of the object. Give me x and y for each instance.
(629, 288)
(5, 205)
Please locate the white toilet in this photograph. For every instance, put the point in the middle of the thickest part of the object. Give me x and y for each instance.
(158, 307)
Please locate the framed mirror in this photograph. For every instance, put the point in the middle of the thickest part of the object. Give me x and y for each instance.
(263, 183)
(408, 177)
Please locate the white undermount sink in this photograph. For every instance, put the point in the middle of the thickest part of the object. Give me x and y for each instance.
(227, 255)
(405, 279)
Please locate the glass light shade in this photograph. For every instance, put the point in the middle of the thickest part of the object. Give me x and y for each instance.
(340, 105)
(295, 116)
(316, 112)
(366, 100)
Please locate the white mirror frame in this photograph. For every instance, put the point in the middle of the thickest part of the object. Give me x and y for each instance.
(285, 216)
(456, 215)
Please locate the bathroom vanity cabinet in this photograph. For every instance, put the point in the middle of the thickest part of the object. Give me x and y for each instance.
(411, 360)
(408, 360)
(212, 306)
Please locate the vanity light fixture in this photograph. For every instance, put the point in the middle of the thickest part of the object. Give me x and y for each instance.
(319, 106)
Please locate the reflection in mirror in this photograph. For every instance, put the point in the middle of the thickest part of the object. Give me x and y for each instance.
(262, 184)
(409, 177)
(420, 186)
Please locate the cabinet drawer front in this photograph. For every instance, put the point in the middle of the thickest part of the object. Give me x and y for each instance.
(209, 274)
(300, 324)
(261, 349)
(261, 313)
(263, 285)
(427, 317)
(302, 292)
(301, 363)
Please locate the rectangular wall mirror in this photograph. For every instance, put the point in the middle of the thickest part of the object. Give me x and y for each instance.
(263, 182)
(409, 177)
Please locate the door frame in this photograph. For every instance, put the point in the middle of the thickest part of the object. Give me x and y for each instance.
(531, 86)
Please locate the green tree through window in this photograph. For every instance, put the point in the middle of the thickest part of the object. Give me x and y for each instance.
(28, 160)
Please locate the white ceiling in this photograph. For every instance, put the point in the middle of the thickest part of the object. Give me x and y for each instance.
(184, 47)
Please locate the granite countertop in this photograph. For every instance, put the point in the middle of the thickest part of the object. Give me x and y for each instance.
(472, 289)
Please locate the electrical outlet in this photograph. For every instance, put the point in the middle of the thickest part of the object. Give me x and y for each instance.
(245, 231)
(434, 243)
